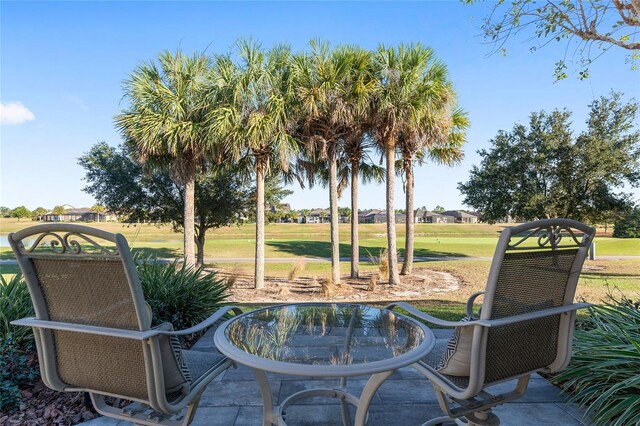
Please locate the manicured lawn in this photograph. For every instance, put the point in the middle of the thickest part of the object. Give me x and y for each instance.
(443, 309)
(597, 278)
(617, 246)
(312, 241)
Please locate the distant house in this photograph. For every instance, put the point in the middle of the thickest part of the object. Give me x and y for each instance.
(507, 219)
(370, 216)
(426, 216)
(344, 219)
(476, 214)
(378, 216)
(400, 218)
(418, 215)
(281, 211)
(315, 216)
(462, 217)
(84, 214)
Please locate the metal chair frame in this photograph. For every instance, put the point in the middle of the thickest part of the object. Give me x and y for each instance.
(472, 405)
(74, 242)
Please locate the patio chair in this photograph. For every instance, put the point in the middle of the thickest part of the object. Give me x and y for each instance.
(93, 327)
(524, 325)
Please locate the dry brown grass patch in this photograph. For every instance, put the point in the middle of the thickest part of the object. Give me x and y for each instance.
(283, 292)
(381, 262)
(328, 287)
(372, 283)
(234, 274)
(297, 269)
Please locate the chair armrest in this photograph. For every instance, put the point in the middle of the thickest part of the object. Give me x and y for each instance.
(89, 329)
(206, 323)
(433, 320)
(471, 301)
(490, 323)
(534, 315)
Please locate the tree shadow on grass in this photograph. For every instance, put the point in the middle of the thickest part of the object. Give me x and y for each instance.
(322, 249)
(156, 252)
(164, 253)
(9, 269)
(596, 274)
(161, 252)
(6, 255)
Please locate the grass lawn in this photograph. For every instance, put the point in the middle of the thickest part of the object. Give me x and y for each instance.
(312, 241)
(443, 309)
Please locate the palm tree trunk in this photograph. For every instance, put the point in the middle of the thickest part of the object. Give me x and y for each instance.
(200, 238)
(407, 266)
(189, 217)
(394, 278)
(333, 205)
(259, 270)
(355, 237)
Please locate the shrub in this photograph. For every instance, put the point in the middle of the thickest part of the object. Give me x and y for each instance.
(180, 294)
(16, 369)
(15, 303)
(629, 225)
(605, 370)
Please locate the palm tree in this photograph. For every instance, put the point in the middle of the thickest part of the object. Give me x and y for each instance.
(399, 107)
(58, 210)
(357, 163)
(328, 107)
(441, 142)
(439, 131)
(255, 117)
(357, 145)
(353, 163)
(98, 208)
(165, 123)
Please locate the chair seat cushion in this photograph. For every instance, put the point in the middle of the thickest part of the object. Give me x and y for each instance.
(177, 377)
(456, 358)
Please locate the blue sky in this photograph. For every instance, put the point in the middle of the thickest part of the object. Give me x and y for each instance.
(64, 63)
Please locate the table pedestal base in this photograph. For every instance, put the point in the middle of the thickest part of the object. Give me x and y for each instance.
(275, 415)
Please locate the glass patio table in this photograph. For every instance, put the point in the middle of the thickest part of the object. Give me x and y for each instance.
(323, 340)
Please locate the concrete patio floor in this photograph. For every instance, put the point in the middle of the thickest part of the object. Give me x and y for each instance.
(405, 399)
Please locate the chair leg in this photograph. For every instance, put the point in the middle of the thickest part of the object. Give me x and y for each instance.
(442, 421)
(141, 414)
(483, 418)
(191, 410)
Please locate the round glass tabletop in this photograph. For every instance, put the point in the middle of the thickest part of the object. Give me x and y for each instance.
(324, 335)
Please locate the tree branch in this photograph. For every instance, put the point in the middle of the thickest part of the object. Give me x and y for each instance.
(629, 20)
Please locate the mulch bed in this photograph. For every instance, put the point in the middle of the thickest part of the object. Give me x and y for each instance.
(420, 285)
(43, 406)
